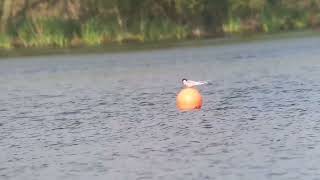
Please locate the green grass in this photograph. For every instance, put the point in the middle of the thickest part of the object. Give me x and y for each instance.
(46, 33)
(164, 30)
(269, 23)
(5, 41)
(95, 32)
(59, 33)
(233, 26)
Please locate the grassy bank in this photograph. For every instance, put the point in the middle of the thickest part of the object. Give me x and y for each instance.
(60, 24)
(58, 33)
(128, 47)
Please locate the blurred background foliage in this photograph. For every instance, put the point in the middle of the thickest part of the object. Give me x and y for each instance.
(73, 23)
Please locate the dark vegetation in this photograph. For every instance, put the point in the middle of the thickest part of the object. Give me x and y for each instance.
(77, 23)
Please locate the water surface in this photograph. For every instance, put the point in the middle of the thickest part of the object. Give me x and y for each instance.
(113, 116)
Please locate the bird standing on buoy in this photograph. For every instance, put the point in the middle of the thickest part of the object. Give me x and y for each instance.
(189, 98)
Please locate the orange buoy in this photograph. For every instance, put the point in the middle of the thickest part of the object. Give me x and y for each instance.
(189, 99)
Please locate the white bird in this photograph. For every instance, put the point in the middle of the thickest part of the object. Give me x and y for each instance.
(190, 83)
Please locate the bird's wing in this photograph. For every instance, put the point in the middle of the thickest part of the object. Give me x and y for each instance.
(196, 83)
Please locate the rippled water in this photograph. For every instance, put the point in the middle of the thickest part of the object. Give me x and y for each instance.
(113, 116)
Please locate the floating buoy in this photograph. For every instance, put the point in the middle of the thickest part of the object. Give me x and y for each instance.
(189, 99)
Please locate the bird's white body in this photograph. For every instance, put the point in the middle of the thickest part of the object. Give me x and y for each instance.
(190, 83)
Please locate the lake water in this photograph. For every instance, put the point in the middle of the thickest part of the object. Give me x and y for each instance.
(113, 116)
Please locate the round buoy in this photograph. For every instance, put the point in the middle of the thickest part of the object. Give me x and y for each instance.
(189, 99)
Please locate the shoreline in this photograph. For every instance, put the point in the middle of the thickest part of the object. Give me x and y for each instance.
(155, 45)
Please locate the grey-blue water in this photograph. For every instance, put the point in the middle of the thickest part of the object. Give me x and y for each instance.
(113, 116)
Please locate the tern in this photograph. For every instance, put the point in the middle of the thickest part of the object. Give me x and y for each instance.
(190, 83)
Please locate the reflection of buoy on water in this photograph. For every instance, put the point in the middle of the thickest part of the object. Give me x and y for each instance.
(189, 99)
